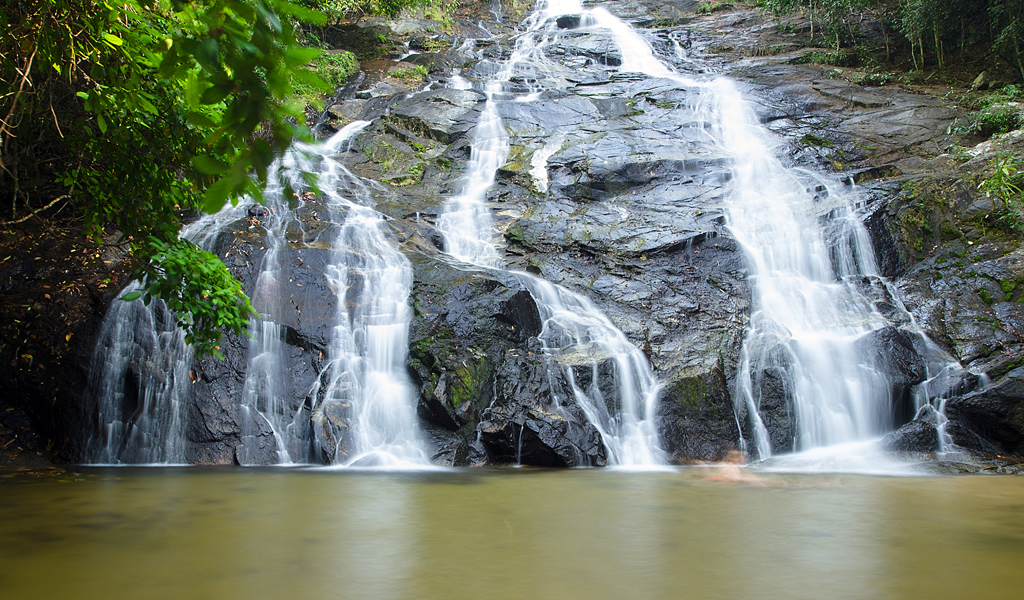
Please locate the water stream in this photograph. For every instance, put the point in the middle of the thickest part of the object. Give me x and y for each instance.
(575, 332)
(368, 381)
(808, 315)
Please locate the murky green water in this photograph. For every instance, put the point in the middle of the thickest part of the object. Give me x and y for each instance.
(290, 533)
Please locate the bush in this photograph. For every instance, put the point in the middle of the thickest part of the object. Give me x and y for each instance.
(992, 120)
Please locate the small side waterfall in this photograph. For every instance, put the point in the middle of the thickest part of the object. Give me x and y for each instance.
(142, 365)
(264, 407)
(575, 332)
(140, 373)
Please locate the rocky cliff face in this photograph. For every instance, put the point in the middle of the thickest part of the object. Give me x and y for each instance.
(609, 192)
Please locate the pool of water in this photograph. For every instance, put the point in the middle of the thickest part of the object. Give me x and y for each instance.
(225, 533)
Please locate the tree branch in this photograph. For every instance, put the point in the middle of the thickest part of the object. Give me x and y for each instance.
(35, 212)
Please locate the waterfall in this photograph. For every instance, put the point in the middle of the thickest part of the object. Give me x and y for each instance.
(807, 314)
(141, 368)
(575, 333)
(807, 254)
(139, 375)
(368, 410)
(806, 319)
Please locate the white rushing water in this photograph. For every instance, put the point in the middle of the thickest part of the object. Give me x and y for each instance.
(367, 378)
(575, 333)
(465, 219)
(142, 365)
(807, 315)
(139, 376)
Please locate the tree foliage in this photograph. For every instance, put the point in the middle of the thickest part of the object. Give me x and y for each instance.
(936, 27)
(337, 11)
(142, 109)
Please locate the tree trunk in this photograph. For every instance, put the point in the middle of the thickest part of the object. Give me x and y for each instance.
(885, 36)
(1016, 48)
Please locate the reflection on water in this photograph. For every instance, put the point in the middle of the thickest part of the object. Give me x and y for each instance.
(306, 533)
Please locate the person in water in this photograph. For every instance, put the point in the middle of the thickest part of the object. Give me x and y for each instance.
(734, 469)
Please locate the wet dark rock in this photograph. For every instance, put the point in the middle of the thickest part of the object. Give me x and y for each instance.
(888, 256)
(897, 356)
(995, 413)
(440, 115)
(450, 449)
(480, 370)
(568, 21)
(919, 435)
(434, 62)
(696, 417)
(534, 419)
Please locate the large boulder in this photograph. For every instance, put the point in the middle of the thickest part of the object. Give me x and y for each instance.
(994, 413)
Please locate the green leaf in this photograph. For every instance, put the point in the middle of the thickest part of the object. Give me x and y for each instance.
(200, 120)
(300, 56)
(131, 296)
(301, 13)
(216, 94)
(209, 165)
(112, 40)
(268, 16)
(101, 123)
(216, 196)
(148, 106)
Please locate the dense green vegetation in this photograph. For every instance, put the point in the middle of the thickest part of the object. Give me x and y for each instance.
(134, 113)
(931, 31)
(138, 111)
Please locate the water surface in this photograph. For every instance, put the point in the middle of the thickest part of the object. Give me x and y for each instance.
(225, 533)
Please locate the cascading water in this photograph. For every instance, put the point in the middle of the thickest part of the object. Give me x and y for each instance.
(575, 332)
(368, 407)
(808, 315)
(140, 373)
(465, 220)
(142, 362)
